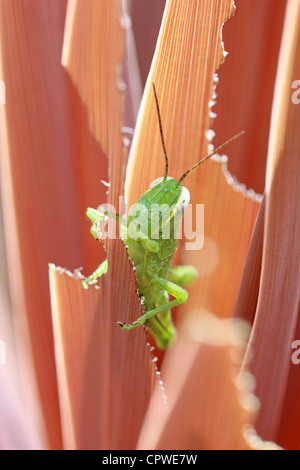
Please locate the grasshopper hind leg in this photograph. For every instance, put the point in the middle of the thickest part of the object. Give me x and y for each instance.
(164, 336)
(182, 275)
(161, 325)
(163, 310)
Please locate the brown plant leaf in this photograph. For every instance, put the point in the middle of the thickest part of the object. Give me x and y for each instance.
(208, 406)
(229, 218)
(46, 184)
(248, 293)
(93, 52)
(91, 31)
(184, 43)
(279, 291)
(98, 364)
(288, 432)
(190, 41)
(245, 91)
(146, 20)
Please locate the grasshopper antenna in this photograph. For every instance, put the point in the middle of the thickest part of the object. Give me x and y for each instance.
(208, 156)
(161, 133)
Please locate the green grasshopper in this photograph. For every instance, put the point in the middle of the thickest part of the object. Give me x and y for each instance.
(151, 253)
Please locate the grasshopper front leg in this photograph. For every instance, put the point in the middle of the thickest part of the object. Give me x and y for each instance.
(176, 291)
(102, 269)
(96, 216)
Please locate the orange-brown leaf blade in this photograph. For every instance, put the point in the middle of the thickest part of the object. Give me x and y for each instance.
(104, 373)
(206, 408)
(278, 301)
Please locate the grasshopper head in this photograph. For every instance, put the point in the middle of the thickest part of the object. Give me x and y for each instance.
(168, 191)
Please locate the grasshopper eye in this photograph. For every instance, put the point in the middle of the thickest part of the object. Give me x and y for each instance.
(159, 180)
(184, 199)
